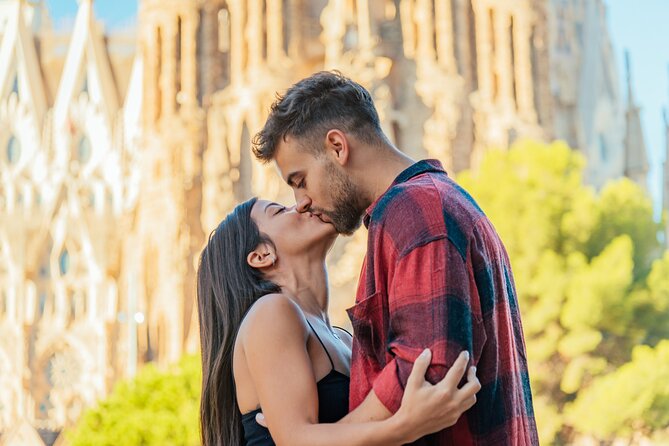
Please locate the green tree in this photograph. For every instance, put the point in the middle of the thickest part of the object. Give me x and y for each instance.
(632, 399)
(155, 408)
(588, 295)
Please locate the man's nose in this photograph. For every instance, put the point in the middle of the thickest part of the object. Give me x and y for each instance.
(302, 204)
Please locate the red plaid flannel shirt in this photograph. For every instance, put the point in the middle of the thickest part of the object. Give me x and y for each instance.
(437, 275)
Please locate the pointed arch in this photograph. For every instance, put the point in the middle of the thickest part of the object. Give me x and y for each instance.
(20, 72)
(86, 65)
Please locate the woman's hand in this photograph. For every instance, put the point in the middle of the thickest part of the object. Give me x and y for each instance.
(428, 408)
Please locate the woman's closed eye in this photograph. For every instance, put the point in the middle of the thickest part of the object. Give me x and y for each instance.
(281, 209)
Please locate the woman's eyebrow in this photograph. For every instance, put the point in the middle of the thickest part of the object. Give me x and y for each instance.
(268, 205)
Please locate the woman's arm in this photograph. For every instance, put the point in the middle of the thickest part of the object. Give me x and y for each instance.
(280, 367)
(440, 405)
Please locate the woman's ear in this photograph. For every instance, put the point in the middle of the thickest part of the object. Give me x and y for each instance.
(261, 257)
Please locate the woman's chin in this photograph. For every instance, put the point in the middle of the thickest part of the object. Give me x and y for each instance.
(325, 226)
(324, 235)
(332, 237)
(329, 238)
(331, 232)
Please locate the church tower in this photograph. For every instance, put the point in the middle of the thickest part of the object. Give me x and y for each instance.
(23, 109)
(665, 173)
(262, 46)
(504, 103)
(636, 159)
(167, 236)
(66, 193)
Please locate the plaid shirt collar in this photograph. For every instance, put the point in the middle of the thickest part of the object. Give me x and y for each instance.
(415, 169)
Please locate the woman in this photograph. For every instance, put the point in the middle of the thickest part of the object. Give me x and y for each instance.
(267, 342)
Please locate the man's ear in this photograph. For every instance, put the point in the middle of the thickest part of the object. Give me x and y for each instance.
(261, 257)
(337, 146)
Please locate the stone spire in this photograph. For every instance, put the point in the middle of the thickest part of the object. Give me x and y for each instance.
(665, 170)
(636, 159)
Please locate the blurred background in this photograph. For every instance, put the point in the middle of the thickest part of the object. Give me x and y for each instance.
(125, 131)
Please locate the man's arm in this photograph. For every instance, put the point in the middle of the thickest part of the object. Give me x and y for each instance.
(430, 305)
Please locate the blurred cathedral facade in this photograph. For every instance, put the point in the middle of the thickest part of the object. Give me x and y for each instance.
(121, 151)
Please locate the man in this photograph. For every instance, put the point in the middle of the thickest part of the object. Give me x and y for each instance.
(435, 275)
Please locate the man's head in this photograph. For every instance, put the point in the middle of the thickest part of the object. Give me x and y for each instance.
(310, 133)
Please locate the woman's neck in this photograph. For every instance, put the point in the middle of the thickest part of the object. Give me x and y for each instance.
(306, 282)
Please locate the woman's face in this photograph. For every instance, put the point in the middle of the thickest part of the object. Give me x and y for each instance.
(290, 231)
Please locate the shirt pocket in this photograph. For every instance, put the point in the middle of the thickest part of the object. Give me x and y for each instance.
(366, 318)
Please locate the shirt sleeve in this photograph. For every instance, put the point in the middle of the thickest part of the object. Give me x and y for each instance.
(430, 306)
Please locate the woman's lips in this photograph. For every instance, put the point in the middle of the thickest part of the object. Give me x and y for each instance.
(321, 217)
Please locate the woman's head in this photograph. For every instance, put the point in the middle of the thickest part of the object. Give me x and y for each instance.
(289, 235)
(227, 287)
(237, 267)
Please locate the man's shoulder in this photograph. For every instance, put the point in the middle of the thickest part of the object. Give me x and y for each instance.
(425, 208)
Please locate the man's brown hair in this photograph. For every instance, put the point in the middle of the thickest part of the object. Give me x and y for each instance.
(315, 105)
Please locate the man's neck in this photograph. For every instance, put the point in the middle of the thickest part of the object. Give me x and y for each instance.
(382, 169)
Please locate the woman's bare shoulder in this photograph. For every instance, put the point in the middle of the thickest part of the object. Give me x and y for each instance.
(275, 313)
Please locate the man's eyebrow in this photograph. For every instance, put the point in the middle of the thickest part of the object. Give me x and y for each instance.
(291, 178)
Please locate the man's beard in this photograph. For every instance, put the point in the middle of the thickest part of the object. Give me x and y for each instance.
(349, 203)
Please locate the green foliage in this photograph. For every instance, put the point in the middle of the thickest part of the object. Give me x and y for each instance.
(591, 288)
(623, 208)
(155, 408)
(634, 397)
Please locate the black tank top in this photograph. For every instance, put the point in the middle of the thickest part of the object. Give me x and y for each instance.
(332, 403)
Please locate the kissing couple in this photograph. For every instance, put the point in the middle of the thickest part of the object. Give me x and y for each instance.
(437, 355)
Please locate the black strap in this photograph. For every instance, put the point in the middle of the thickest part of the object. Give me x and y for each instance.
(344, 330)
(323, 345)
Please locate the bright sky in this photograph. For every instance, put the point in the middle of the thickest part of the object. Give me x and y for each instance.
(642, 27)
(113, 13)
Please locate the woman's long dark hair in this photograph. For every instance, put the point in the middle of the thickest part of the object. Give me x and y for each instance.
(227, 286)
